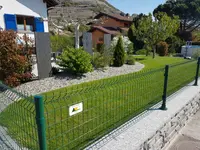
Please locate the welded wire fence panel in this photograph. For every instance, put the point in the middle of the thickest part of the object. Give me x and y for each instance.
(18, 129)
(180, 75)
(106, 104)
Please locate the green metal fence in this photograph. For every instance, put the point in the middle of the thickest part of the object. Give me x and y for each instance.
(73, 117)
(18, 128)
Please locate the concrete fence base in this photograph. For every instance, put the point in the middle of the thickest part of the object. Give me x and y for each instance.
(166, 133)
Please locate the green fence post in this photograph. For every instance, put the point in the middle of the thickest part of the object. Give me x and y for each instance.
(197, 72)
(40, 120)
(164, 97)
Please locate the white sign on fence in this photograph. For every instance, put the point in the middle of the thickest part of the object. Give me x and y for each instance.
(75, 109)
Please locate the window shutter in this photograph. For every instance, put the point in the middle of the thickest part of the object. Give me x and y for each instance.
(39, 25)
(10, 22)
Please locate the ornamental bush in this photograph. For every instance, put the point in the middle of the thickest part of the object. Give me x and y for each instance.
(60, 42)
(162, 48)
(77, 61)
(126, 43)
(102, 56)
(141, 52)
(15, 66)
(98, 60)
(130, 60)
(130, 50)
(101, 60)
(119, 54)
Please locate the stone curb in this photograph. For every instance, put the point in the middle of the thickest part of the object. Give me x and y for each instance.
(166, 133)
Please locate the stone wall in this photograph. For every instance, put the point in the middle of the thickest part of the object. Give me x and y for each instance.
(169, 130)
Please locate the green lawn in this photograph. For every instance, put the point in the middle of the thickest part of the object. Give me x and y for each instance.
(107, 103)
(159, 62)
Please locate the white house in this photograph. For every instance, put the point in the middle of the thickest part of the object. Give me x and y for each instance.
(25, 15)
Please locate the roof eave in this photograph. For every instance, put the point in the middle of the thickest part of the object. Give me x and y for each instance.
(102, 14)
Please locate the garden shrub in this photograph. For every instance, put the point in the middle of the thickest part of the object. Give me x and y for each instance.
(102, 56)
(175, 44)
(119, 54)
(76, 61)
(12, 80)
(125, 40)
(101, 60)
(130, 49)
(100, 48)
(141, 52)
(60, 42)
(130, 60)
(98, 60)
(15, 65)
(70, 28)
(162, 48)
(84, 28)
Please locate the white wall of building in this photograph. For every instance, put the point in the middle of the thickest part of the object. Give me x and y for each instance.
(35, 8)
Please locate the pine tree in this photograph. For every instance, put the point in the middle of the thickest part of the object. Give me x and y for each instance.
(119, 54)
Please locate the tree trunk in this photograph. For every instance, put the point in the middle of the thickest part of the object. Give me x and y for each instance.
(154, 52)
(181, 27)
(184, 25)
(147, 52)
(77, 36)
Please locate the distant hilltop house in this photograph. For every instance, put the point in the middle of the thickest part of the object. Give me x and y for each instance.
(114, 24)
(25, 15)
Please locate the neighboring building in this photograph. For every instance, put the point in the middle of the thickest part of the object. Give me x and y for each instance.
(25, 15)
(114, 24)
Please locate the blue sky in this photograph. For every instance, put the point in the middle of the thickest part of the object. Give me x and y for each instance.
(136, 6)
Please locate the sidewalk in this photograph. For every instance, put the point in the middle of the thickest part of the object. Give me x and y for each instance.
(138, 131)
(189, 137)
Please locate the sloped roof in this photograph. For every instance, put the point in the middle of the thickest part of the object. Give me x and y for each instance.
(125, 29)
(116, 16)
(105, 30)
(51, 3)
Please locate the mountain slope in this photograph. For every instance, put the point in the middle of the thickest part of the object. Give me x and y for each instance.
(81, 10)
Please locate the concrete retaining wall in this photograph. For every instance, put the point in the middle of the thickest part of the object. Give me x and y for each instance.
(163, 136)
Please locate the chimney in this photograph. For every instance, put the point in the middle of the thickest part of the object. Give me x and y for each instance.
(128, 15)
(122, 14)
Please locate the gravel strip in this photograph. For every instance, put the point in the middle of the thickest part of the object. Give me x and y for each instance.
(52, 83)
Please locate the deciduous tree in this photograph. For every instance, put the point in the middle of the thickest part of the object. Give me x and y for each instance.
(152, 31)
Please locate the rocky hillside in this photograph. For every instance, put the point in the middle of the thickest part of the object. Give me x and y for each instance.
(82, 10)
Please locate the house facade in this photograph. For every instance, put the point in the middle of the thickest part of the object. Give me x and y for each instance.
(25, 15)
(114, 24)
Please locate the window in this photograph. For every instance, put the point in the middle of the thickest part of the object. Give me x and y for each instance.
(101, 39)
(25, 23)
